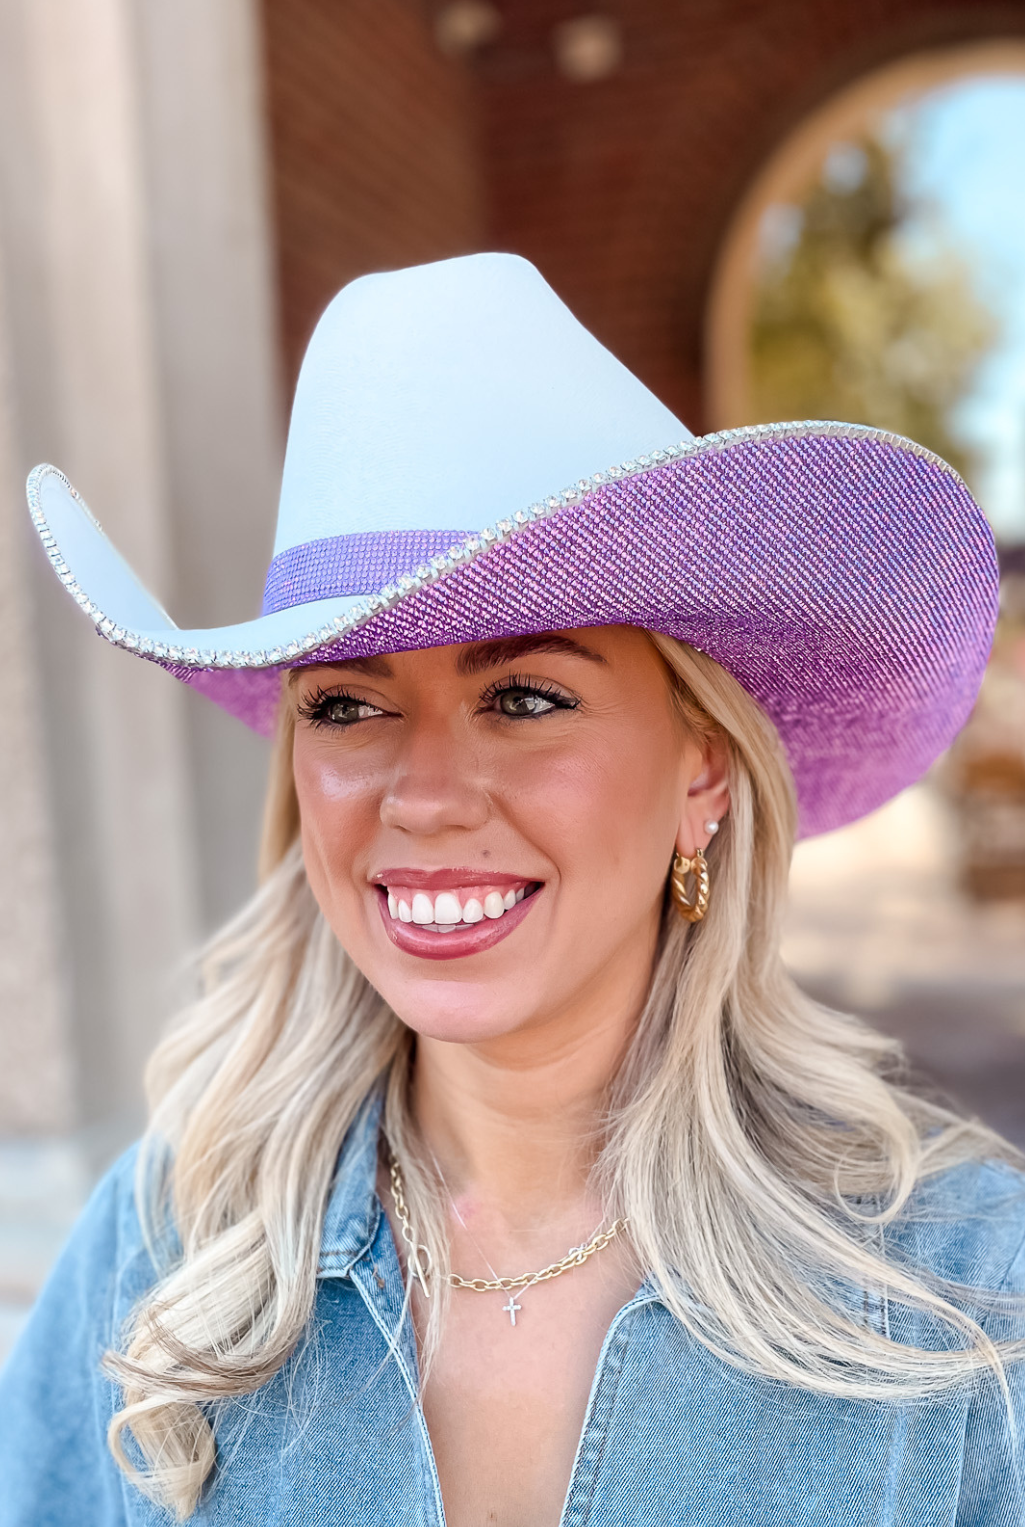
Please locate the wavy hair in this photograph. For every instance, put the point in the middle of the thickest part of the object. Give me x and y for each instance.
(757, 1141)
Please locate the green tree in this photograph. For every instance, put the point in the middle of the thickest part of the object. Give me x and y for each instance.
(850, 323)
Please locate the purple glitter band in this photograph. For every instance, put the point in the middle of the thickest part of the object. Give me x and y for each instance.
(350, 564)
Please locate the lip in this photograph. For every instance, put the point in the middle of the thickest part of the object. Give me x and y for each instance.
(471, 938)
(444, 880)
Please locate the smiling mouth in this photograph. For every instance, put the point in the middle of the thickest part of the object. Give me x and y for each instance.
(445, 911)
(439, 914)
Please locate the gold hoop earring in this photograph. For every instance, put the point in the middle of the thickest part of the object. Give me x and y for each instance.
(692, 911)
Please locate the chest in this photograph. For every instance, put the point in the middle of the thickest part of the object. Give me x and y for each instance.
(507, 1392)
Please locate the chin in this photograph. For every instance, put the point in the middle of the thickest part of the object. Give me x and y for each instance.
(458, 1012)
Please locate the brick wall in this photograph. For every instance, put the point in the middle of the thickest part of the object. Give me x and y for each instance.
(619, 190)
(373, 149)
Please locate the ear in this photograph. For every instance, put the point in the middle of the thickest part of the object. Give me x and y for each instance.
(706, 797)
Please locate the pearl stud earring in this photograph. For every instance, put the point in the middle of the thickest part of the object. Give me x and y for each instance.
(712, 827)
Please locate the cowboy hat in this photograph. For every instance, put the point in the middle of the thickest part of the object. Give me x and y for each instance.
(465, 461)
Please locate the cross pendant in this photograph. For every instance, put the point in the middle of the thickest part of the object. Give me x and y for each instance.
(511, 1308)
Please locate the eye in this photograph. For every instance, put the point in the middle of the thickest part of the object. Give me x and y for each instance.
(336, 709)
(523, 699)
(524, 702)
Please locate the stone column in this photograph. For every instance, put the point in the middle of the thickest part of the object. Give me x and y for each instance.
(35, 1070)
(142, 362)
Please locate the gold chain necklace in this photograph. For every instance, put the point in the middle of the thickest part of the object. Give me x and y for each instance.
(419, 1260)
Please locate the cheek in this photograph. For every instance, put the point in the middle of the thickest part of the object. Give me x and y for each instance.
(337, 807)
(609, 806)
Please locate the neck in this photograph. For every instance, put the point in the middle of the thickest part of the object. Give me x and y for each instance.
(516, 1122)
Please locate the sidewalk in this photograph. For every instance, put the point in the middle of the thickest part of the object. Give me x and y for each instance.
(877, 926)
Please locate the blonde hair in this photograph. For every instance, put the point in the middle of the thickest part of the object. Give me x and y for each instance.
(757, 1141)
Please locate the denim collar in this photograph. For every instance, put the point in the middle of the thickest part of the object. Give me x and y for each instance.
(353, 1208)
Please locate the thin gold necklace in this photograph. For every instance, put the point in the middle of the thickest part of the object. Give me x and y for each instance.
(420, 1261)
(512, 1309)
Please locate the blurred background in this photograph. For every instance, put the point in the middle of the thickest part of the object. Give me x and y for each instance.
(769, 209)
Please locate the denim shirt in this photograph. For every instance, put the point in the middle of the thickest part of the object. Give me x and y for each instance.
(672, 1434)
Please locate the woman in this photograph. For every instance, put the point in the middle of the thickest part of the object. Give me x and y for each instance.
(501, 1174)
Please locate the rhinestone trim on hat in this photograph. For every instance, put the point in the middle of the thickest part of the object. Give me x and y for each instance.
(458, 555)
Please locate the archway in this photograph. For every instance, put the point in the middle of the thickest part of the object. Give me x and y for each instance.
(786, 178)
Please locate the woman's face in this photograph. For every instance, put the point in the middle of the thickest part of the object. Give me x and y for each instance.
(488, 828)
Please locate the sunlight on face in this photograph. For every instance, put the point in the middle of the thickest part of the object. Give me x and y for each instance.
(488, 828)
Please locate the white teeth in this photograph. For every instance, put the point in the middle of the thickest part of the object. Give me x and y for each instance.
(444, 912)
(447, 909)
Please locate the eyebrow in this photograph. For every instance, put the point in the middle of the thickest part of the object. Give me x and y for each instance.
(478, 657)
(483, 655)
(373, 667)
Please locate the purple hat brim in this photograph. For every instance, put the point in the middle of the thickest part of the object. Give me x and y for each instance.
(847, 581)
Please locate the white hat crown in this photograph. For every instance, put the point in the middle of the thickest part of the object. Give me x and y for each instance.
(449, 395)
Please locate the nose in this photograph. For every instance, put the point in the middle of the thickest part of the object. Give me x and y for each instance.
(435, 784)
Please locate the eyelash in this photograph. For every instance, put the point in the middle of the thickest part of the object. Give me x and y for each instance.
(315, 707)
(523, 684)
